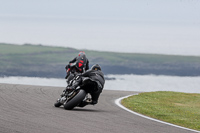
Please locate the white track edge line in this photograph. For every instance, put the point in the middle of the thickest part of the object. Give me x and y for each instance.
(118, 103)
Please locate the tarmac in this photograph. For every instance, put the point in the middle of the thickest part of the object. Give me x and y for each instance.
(30, 109)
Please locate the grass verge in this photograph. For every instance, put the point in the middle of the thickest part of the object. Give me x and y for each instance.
(182, 109)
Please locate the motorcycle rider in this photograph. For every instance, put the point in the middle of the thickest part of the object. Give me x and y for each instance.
(96, 76)
(83, 61)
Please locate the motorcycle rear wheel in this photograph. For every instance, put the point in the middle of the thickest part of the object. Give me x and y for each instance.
(75, 100)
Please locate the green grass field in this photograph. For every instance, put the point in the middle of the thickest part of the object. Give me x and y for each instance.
(112, 57)
(182, 109)
(31, 59)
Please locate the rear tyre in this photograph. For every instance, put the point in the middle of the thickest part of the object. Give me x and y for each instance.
(75, 100)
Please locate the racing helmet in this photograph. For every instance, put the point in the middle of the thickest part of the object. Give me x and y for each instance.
(81, 53)
(96, 67)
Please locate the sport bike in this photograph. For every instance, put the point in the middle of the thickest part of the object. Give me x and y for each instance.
(78, 97)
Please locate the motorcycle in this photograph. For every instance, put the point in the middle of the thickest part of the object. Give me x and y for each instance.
(74, 69)
(78, 97)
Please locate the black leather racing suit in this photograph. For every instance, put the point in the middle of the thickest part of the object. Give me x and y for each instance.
(94, 75)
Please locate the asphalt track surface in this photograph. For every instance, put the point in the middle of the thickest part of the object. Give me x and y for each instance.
(30, 109)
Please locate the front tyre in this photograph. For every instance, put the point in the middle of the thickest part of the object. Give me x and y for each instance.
(57, 104)
(75, 100)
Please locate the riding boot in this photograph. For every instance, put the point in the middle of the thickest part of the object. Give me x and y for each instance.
(95, 97)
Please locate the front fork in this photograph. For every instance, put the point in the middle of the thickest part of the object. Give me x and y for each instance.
(66, 95)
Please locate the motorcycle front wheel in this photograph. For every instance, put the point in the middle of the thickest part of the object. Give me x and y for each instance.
(80, 95)
(57, 104)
